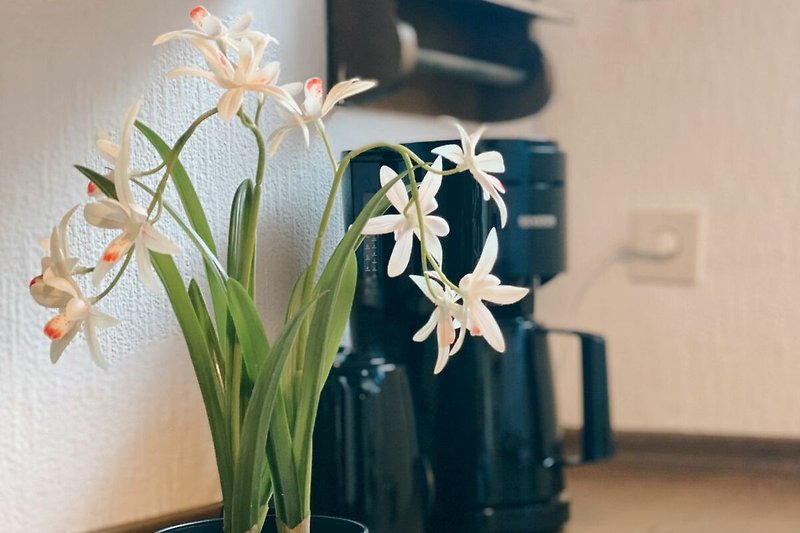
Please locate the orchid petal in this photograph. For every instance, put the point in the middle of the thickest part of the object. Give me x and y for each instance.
(247, 54)
(501, 207)
(111, 255)
(276, 138)
(504, 294)
(293, 88)
(383, 224)
(57, 346)
(243, 23)
(426, 330)
(268, 73)
(157, 242)
(121, 177)
(459, 343)
(474, 138)
(401, 254)
(420, 282)
(437, 225)
(427, 192)
(144, 265)
(488, 256)
(490, 161)
(484, 324)
(434, 246)
(445, 335)
(229, 103)
(103, 320)
(343, 90)
(193, 71)
(107, 214)
(90, 331)
(396, 194)
(451, 152)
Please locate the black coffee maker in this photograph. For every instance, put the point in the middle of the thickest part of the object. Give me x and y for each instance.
(475, 449)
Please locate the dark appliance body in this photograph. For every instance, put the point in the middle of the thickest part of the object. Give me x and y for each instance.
(487, 423)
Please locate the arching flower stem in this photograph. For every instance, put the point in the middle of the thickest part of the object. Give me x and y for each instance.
(148, 172)
(169, 163)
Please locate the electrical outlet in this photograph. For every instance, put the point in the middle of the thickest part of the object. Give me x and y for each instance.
(663, 246)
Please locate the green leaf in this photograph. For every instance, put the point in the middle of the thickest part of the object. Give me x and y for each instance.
(256, 425)
(102, 182)
(200, 309)
(249, 328)
(197, 218)
(337, 283)
(211, 389)
(240, 213)
(186, 192)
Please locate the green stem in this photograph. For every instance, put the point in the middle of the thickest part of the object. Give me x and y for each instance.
(116, 278)
(252, 223)
(169, 163)
(148, 172)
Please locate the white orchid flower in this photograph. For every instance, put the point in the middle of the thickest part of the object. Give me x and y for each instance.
(211, 28)
(124, 214)
(479, 165)
(109, 150)
(405, 223)
(446, 318)
(59, 261)
(316, 106)
(248, 75)
(481, 285)
(76, 311)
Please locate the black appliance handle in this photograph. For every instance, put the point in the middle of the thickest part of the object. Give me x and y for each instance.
(597, 441)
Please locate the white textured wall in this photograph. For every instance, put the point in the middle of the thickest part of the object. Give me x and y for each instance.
(660, 103)
(685, 104)
(81, 448)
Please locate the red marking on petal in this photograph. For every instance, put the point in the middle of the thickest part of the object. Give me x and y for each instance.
(91, 188)
(314, 85)
(56, 327)
(499, 186)
(475, 330)
(35, 280)
(223, 59)
(198, 13)
(111, 255)
(115, 250)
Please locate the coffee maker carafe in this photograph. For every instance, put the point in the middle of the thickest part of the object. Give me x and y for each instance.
(490, 457)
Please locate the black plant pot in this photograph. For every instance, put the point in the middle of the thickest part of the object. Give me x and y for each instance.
(319, 524)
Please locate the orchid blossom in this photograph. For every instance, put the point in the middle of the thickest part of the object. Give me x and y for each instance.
(55, 288)
(316, 106)
(446, 318)
(75, 311)
(479, 165)
(481, 285)
(211, 28)
(405, 223)
(59, 263)
(124, 214)
(248, 75)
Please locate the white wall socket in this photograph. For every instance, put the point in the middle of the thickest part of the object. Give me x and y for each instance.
(663, 246)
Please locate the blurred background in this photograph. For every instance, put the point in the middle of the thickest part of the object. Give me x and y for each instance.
(662, 107)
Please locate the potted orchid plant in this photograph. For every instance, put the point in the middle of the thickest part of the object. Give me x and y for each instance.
(261, 394)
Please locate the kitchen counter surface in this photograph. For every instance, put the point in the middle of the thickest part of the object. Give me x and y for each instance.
(620, 498)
